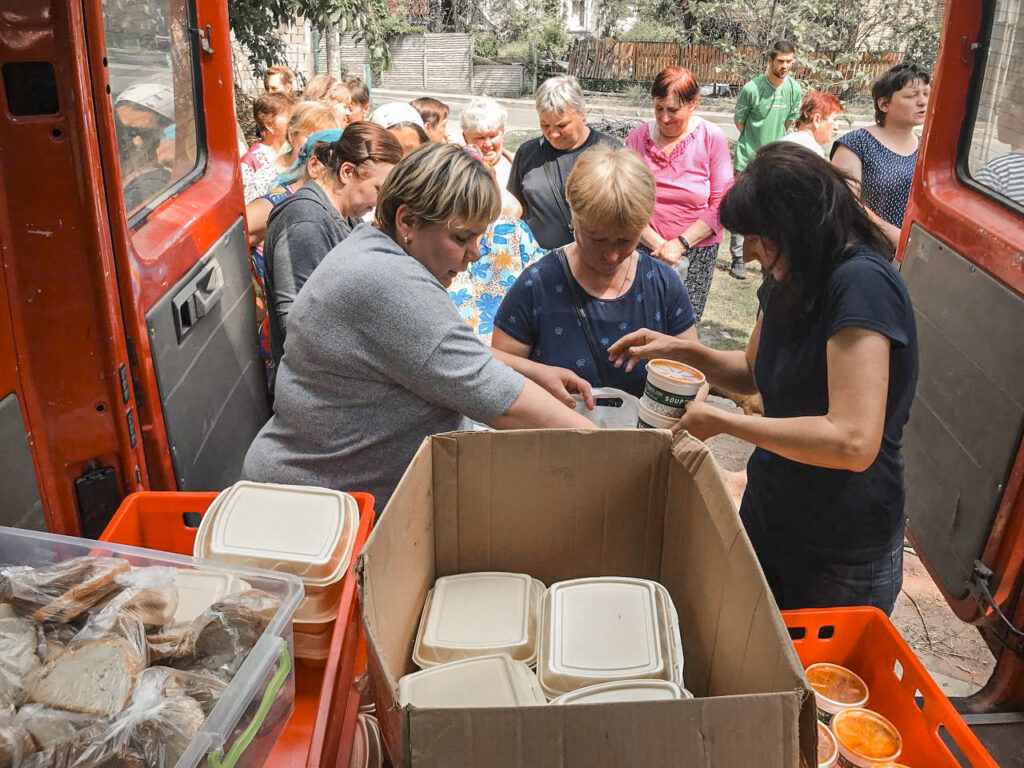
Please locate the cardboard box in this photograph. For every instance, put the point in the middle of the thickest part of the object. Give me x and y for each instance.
(560, 505)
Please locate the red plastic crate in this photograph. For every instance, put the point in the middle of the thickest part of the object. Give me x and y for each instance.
(864, 641)
(322, 726)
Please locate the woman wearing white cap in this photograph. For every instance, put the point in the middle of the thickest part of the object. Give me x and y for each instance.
(404, 122)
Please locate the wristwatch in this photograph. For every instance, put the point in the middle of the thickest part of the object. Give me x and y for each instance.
(685, 242)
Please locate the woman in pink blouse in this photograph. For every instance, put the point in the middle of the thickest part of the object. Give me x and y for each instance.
(692, 169)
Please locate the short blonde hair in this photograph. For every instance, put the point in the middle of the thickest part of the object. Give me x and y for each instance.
(441, 184)
(611, 184)
(560, 94)
(312, 116)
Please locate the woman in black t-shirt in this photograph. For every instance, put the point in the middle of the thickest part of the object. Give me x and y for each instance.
(834, 356)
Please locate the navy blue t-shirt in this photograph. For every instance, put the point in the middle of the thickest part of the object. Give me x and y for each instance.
(538, 311)
(835, 514)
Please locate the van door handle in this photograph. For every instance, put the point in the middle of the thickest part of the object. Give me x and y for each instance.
(198, 298)
(209, 289)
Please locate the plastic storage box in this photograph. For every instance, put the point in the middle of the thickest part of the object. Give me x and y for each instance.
(253, 710)
(479, 614)
(900, 689)
(320, 731)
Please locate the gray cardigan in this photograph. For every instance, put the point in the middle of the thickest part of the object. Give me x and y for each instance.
(301, 230)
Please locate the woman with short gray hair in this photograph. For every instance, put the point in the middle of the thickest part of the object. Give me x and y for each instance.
(542, 165)
(377, 358)
(483, 126)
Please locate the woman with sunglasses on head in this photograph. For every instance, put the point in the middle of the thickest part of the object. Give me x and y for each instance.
(834, 356)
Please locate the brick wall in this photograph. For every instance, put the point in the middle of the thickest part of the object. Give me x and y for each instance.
(298, 40)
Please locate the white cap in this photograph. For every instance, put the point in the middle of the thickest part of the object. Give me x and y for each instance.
(395, 112)
(156, 96)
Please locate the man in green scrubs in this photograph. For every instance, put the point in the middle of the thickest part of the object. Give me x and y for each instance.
(765, 109)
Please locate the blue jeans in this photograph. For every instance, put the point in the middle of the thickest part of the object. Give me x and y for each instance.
(800, 580)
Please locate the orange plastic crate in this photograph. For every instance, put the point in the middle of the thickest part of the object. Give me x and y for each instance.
(320, 731)
(864, 641)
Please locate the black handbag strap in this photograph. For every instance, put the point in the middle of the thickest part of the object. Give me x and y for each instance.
(557, 190)
(581, 313)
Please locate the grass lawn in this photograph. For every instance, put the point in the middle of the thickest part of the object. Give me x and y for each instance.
(732, 305)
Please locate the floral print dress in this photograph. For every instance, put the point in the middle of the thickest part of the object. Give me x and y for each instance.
(506, 249)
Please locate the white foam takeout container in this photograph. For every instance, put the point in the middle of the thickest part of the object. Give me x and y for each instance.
(625, 690)
(198, 590)
(306, 531)
(484, 681)
(605, 629)
(479, 614)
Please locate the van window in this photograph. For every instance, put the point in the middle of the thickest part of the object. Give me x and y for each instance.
(153, 76)
(995, 145)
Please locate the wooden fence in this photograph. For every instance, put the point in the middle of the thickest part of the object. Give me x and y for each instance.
(593, 59)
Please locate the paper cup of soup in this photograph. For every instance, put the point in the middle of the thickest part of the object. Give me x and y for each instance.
(828, 751)
(670, 386)
(835, 688)
(648, 419)
(865, 739)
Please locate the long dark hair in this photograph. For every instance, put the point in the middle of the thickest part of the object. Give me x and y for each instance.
(804, 206)
(360, 143)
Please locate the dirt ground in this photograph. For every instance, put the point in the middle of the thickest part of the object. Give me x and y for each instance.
(952, 651)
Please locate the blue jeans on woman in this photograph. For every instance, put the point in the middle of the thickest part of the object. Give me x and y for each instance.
(801, 580)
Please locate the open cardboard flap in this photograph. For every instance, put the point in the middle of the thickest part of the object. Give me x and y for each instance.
(560, 505)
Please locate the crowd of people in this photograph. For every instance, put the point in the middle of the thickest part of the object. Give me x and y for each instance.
(412, 283)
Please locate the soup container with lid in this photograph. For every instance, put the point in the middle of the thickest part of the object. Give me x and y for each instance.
(648, 419)
(670, 386)
(479, 614)
(604, 629)
(835, 688)
(484, 681)
(828, 750)
(865, 739)
(625, 690)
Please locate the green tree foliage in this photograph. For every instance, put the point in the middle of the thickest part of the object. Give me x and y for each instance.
(256, 23)
(839, 32)
(540, 22)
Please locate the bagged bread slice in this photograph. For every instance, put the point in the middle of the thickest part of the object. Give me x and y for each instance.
(62, 591)
(96, 677)
(52, 727)
(15, 744)
(18, 658)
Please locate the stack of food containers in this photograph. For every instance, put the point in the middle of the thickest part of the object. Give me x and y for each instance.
(595, 639)
(306, 531)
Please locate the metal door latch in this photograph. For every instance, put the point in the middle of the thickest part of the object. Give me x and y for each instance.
(204, 37)
(1001, 625)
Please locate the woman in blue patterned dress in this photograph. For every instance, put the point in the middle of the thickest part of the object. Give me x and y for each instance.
(881, 158)
(611, 196)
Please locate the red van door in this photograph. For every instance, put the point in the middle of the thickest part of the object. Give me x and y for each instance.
(963, 263)
(164, 99)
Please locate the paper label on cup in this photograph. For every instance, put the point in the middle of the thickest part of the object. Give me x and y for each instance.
(842, 761)
(670, 400)
(641, 424)
(825, 717)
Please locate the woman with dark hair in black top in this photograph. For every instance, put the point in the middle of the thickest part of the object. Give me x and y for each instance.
(834, 357)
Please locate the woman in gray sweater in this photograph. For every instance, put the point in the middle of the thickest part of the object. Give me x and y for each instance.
(302, 229)
(377, 357)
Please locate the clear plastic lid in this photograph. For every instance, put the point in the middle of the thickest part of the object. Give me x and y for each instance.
(295, 529)
(602, 629)
(625, 690)
(479, 614)
(485, 681)
(199, 589)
